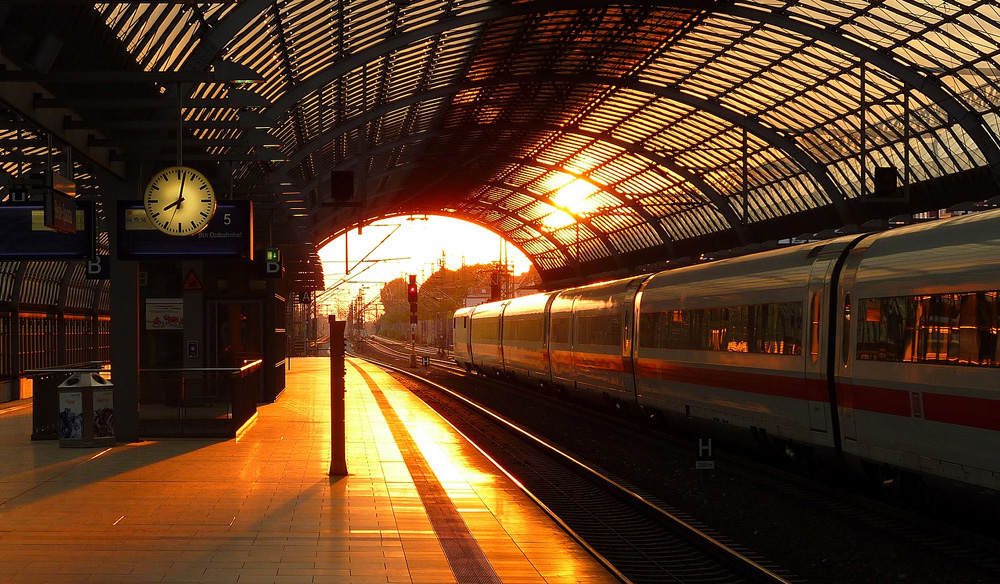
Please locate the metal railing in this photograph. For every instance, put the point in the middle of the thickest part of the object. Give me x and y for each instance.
(198, 401)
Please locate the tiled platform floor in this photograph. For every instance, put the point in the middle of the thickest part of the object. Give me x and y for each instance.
(262, 508)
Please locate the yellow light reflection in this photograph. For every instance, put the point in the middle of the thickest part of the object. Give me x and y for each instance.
(573, 196)
(557, 220)
(553, 181)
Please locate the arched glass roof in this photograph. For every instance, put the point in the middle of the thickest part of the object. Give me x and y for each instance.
(598, 136)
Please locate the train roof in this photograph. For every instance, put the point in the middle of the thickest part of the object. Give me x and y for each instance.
(957, 254)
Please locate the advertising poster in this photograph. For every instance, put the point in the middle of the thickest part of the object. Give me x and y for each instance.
(104, 417)
(164, 314)
(70, 415)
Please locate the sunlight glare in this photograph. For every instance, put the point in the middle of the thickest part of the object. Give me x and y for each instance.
(557, 220)
(573, 196)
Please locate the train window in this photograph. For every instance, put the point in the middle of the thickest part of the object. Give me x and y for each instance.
(560, 330)
(485, 330)
(680, 329)
(959, 329)
(814, 328)
(759, 328)
(651, 329)
(523, 329)
(602, 329)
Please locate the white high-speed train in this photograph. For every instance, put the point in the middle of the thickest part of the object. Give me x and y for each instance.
(879, 349)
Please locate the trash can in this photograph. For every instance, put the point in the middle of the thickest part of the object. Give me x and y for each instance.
(86, 411)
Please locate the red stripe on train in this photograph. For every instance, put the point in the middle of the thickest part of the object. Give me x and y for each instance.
(778, 385)
(967, 411)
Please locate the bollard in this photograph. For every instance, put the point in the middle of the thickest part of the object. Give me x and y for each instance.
(338, 435)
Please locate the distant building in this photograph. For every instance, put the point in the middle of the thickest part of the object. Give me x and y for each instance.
(523, 285)
(476, 297)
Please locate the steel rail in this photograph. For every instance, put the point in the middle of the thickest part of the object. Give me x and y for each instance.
(699, 539)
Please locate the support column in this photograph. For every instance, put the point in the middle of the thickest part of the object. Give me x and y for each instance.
(124, 320)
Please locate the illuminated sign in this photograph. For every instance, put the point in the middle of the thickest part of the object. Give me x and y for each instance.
(60, 212)
(229, 235)
(24, 236)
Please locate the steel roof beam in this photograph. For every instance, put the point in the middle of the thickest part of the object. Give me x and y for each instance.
(568, 257)
(653, 222)
(716, 198)
(210, 49)
(578, 218)
(21, 98)
(767, 135)
(970, 120)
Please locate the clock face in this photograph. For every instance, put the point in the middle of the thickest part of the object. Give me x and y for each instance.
(179, 201)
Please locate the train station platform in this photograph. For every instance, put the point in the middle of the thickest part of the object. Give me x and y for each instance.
(420, 504)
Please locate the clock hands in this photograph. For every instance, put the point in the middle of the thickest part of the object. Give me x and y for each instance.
(180, 195)
(173, 207)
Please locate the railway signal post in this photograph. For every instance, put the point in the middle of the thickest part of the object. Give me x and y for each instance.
(411, 293)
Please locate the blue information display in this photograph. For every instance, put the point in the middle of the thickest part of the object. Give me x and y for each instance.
(24, 236)
(229, 235)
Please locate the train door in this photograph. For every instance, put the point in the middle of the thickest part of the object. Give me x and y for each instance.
(632, 292)
(817, 382)
(547, 338)
(500, 340)
(468, 333)
(844, 347)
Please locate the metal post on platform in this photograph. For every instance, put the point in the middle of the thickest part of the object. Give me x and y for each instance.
(413, 345)
(338, 435)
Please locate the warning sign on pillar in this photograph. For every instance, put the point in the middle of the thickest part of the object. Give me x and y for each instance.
(192, 282)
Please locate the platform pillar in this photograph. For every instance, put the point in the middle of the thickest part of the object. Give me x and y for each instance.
(124, 295)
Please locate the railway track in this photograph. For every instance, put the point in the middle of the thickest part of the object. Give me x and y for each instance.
(927, 536)
(633, 534)
(401, 351)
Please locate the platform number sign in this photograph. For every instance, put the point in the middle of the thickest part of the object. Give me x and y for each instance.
(99, 268)
(704, 459)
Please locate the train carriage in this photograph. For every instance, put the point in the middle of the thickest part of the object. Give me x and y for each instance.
(917, 366)
(484, 332)
(881, 348)
(725, 342)
(591, 340)
(525, 338)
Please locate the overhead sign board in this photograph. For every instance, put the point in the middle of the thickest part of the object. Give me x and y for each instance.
(61, 184)
(60, 212)
(24, 236)
(229, 235)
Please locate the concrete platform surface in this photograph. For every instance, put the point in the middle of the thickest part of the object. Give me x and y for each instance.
(420, 504)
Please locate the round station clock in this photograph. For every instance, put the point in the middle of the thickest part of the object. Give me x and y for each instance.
(179, 201)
